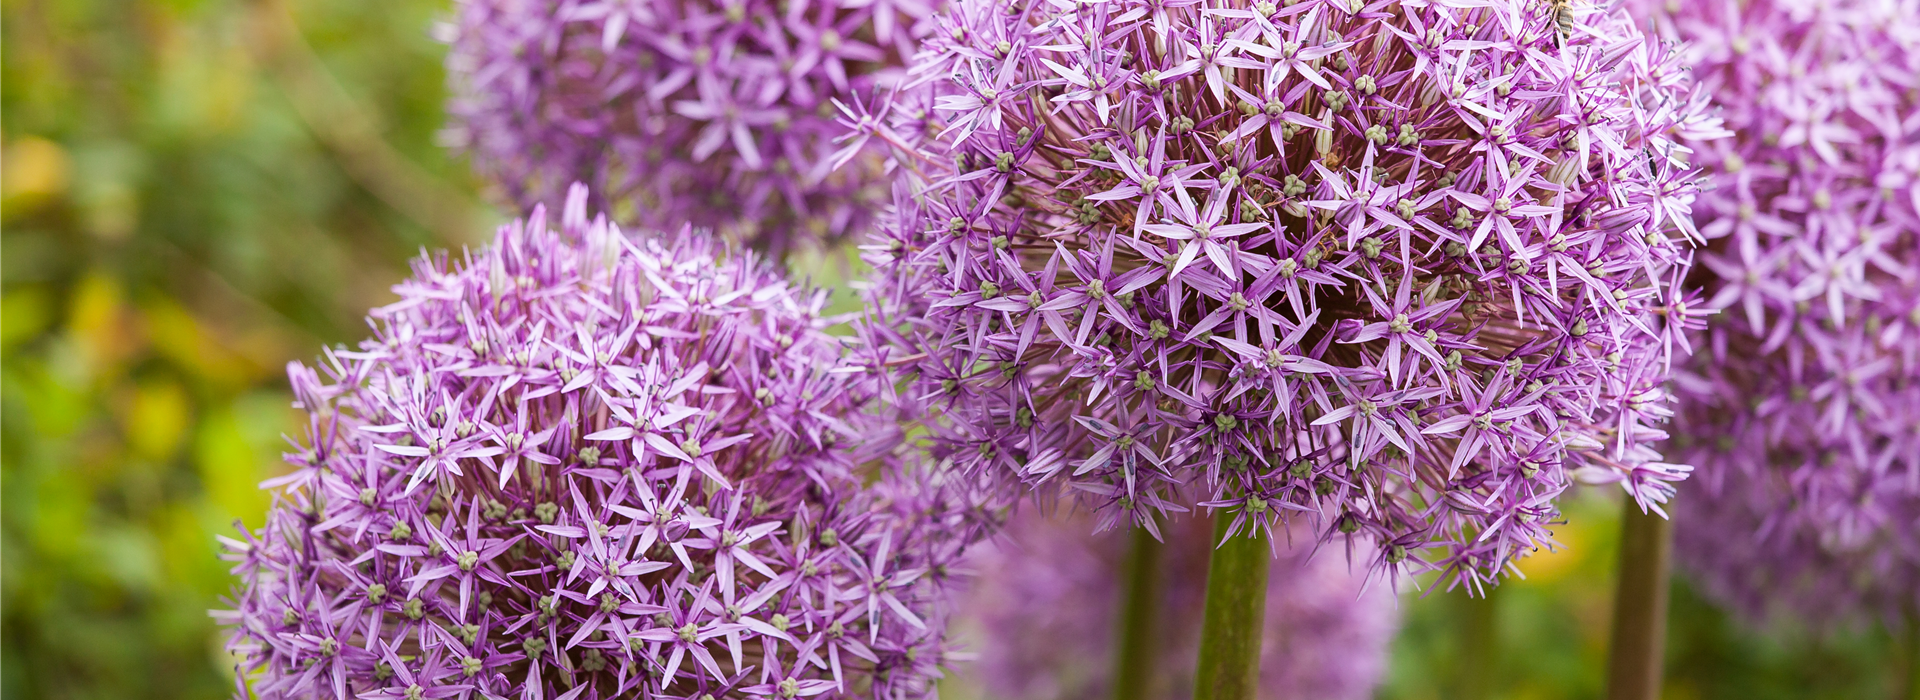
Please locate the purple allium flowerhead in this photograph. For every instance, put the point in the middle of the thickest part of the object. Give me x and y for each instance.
(1407, 267)
(1045, 597)
(577, 465)
(716, 112)
(1802, 410)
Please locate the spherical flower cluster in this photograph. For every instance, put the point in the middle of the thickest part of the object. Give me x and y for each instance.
(1405, 266)
(1046, 598)
(1801, 408)
(716, 112)
(574, 465)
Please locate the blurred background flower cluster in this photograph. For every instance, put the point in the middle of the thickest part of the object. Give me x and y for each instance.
(195, 192)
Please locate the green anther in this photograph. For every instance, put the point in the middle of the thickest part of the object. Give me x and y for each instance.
(1371, 247)
(1349, 524)
(609, 603)
(1580, 328)
(1225, 422)
(468, 560)
(1143, 381)
(829, 537)
(565, 561)
(1229, 178)
(1126, 301)
(989, 290)
(382, 671)
(1463, 218)
(1396, 554)
(1365, 84)
(1313, 258)
(1256, 505)
(692, 447)
(1003, 162)
(1023, 417)
(1407, 136)
(1248, 108)
(1034, 300)
(1377, 134)
(546, 512)
(1323, 486)
(956, 224)
(470, 666)
(1238, 301)
(367, 495)
(1181, 124)
(1274, 109)
(1150, 184)
(377, 593)
(689, 633)
(593, 661)
(780, 622)
(329, 646)
(1151, 79)
(401, 532)
(1000, 242)
(533, 647)
(1234, 462)
(1097, 289)
(1158, 329)
(590, 456)
(1335, 99)
(414, 609)
(836, 630)
(948, 386)
(1293, 186)
(1404, 208)
(1025, 134)
(1300, 469)
(493, 510)
(789, 688)
(1453, 361)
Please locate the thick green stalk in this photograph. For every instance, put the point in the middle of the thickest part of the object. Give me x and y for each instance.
(1479, 652)
(1636, 652)
(1910, 690)
(1133, 661)
(1236, 607)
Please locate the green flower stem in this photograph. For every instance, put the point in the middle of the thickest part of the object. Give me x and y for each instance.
(1139, 608)
(1236, 606)
(1479, 652)
(1636, 652)
(1910, 690)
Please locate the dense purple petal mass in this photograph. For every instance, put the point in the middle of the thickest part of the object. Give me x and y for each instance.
(1802, 411)
(716, 112)
(1046, 595)
(1406, 267)
(578, 465)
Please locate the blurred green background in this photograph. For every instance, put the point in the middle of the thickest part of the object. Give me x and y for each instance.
(194, 192)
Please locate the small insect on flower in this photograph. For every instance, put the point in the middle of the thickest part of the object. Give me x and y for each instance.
(602, 511)
(1187, 251)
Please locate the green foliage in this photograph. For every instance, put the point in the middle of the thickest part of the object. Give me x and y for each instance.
(195, 192)
(178, 225)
